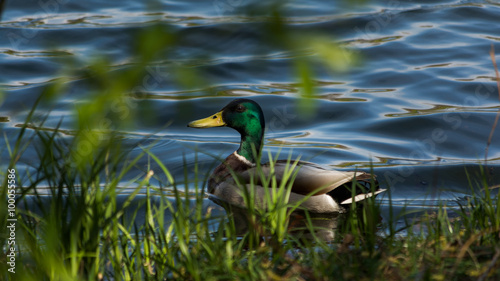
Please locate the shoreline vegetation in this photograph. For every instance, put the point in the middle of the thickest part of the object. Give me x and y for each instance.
(84, 230)
(81, 227)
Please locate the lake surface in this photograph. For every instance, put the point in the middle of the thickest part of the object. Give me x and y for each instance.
(419, 107)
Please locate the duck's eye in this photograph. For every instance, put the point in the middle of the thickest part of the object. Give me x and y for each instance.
(240, 108)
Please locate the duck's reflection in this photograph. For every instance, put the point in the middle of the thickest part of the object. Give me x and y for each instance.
(301, 225)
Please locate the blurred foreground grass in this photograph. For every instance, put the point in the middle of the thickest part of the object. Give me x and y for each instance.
(79, 230)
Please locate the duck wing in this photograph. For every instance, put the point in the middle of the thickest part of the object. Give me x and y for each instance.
(310, 177)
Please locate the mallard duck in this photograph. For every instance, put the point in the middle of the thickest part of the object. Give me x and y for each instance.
(330, 189)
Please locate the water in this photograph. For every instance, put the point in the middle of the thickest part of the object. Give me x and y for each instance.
(420, 106)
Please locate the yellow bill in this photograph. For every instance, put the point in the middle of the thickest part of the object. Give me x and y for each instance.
(209, 122)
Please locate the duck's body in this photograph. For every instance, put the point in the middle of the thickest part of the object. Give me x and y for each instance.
(319, 189)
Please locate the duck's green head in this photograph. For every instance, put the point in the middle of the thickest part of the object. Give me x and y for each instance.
(246, 117)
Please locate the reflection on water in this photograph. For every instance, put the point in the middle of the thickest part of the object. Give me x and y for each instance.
(300, 225)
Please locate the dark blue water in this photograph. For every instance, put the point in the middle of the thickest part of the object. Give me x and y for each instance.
(419, 106)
